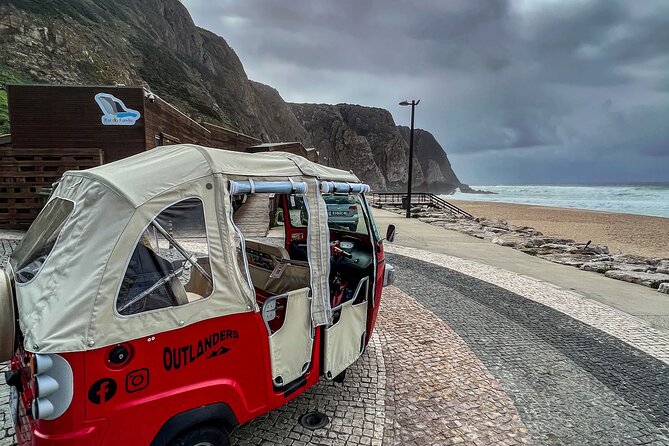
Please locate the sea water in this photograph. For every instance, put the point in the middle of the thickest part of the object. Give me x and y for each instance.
(642, 199)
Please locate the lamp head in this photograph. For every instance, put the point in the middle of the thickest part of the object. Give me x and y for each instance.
(405, 103)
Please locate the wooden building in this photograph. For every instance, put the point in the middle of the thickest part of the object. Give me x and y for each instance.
(122, 121)
(55, 128)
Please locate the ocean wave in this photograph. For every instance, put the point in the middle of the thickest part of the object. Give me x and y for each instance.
(643, 199)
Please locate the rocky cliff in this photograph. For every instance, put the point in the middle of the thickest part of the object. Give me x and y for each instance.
(437, 171)
(367, 140)
(155, 43)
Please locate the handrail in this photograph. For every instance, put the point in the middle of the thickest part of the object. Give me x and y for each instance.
(421, 198)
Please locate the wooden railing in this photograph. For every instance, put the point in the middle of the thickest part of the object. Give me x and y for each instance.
(380, 199)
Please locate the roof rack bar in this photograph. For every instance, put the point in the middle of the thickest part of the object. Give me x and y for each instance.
(331, 187)
(267, 187)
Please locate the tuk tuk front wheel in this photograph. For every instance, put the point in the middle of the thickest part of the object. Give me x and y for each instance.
(202, 436)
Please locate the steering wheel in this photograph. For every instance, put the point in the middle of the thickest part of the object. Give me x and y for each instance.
(337, 251)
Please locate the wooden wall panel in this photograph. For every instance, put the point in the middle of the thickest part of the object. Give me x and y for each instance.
(68, 117)
(222, 138)
(167, 125)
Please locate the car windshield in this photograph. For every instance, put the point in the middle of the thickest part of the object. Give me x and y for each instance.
(345, 213)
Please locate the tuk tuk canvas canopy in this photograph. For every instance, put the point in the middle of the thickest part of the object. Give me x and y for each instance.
(140, 177)
(69, 304)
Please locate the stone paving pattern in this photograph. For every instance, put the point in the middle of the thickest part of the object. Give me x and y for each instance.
(635, 331)
(438, 392)
(6, 426)
(356, 410)
(571, 383)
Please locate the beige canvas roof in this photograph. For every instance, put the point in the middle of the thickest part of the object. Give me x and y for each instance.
(137, 179)
(69, 304)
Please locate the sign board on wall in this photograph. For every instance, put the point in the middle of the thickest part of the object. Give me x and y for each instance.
(114, 110)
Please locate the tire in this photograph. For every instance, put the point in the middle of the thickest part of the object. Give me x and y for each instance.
(202, 436)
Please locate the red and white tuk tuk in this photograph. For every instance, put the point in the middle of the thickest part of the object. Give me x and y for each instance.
(136, 312)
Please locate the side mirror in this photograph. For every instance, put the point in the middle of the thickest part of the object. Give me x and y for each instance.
(390, 233)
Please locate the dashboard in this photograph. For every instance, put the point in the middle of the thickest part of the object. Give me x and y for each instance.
(361, 255)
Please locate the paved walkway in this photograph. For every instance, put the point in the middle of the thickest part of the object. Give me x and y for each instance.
(487, 349)
(570, 382)
(643, 302)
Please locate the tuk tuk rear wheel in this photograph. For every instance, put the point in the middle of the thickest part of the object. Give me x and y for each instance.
(202, 436)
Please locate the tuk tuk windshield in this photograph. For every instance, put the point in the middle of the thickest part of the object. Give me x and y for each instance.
(40, 239)
(345, 212)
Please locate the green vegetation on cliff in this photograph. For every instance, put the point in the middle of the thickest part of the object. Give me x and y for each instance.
(7, 76)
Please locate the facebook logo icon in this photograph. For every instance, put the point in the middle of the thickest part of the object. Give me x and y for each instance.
(102, 391)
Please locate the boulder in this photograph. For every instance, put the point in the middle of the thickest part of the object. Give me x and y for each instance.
(663, 288)
(631, 267)
(652, 280)
(597, 249)
(576, 260)
(632, 258)
(559, 247)
(536, 242)
(509, 240)
(499, 224)
(598, 266)
(662, 267)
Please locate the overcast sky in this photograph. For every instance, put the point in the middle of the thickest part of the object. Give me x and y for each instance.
(516, 91)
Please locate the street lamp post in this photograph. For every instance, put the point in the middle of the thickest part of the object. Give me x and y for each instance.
(413, 104)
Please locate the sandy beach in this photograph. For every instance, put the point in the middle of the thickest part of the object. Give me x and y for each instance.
(622, 233)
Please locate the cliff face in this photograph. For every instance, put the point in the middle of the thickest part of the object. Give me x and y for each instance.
(155, 43)
(437, 170)
(353, 136)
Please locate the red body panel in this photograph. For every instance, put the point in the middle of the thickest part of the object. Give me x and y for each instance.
(378, 289)
(128, 405)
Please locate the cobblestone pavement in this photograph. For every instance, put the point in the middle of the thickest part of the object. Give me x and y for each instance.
(571, 383)
(630, 329)
(468, 354)
(6, 428)
(356, 410)
(7, 245)
(438, 391)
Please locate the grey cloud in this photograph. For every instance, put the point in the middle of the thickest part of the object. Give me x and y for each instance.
(550, 84)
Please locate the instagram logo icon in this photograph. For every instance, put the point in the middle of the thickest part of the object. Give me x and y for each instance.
(137, 380)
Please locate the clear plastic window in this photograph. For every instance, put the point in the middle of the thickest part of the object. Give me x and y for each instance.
(40, 239)
(170, 264)
(299, 217)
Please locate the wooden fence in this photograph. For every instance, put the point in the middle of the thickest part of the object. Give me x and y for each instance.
(24, 172)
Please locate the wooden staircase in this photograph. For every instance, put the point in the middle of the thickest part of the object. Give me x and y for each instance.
(252, 217)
